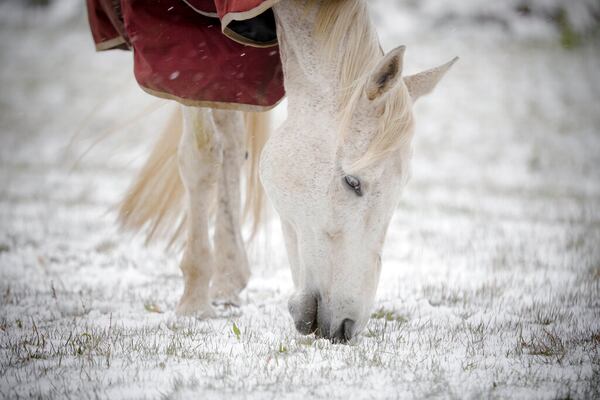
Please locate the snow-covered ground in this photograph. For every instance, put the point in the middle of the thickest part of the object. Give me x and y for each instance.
(491, 278)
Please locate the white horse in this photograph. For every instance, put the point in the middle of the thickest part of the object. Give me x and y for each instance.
(334, 171)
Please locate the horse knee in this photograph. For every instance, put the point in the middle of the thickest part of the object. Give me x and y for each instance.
(200, 151)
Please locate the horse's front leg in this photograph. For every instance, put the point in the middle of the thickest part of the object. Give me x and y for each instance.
(232, 271)
(200, 156)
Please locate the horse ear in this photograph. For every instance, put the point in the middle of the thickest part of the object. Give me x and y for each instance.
(424, 82)
(386, 74)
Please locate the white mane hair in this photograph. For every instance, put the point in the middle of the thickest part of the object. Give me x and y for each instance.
(349, 40)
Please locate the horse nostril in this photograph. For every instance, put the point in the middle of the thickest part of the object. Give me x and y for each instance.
(348, 327)
(303, 308)
(344, 332)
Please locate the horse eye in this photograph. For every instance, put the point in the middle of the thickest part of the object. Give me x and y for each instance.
(354, 184)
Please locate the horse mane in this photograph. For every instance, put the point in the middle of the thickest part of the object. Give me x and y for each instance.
(349, 40)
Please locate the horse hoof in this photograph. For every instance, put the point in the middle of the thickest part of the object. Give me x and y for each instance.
(227, 298)
(190, 308)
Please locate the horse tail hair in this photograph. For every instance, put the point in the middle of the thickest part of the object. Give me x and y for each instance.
(258, 128)
(155, 201)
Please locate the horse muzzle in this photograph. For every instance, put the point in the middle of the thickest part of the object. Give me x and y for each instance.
(311, 315)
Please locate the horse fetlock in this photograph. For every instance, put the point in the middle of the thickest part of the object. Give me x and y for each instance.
(226, 286)
(195, 300)
(197, 266)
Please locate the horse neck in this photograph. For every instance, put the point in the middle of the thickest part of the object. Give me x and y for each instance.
(311, 79)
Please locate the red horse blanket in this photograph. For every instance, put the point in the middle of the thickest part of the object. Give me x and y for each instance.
(210, 53)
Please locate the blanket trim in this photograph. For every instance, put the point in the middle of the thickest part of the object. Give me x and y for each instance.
(211, 104)
(244, 15)
(111, 43)
(236, 37)
(199, 11)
